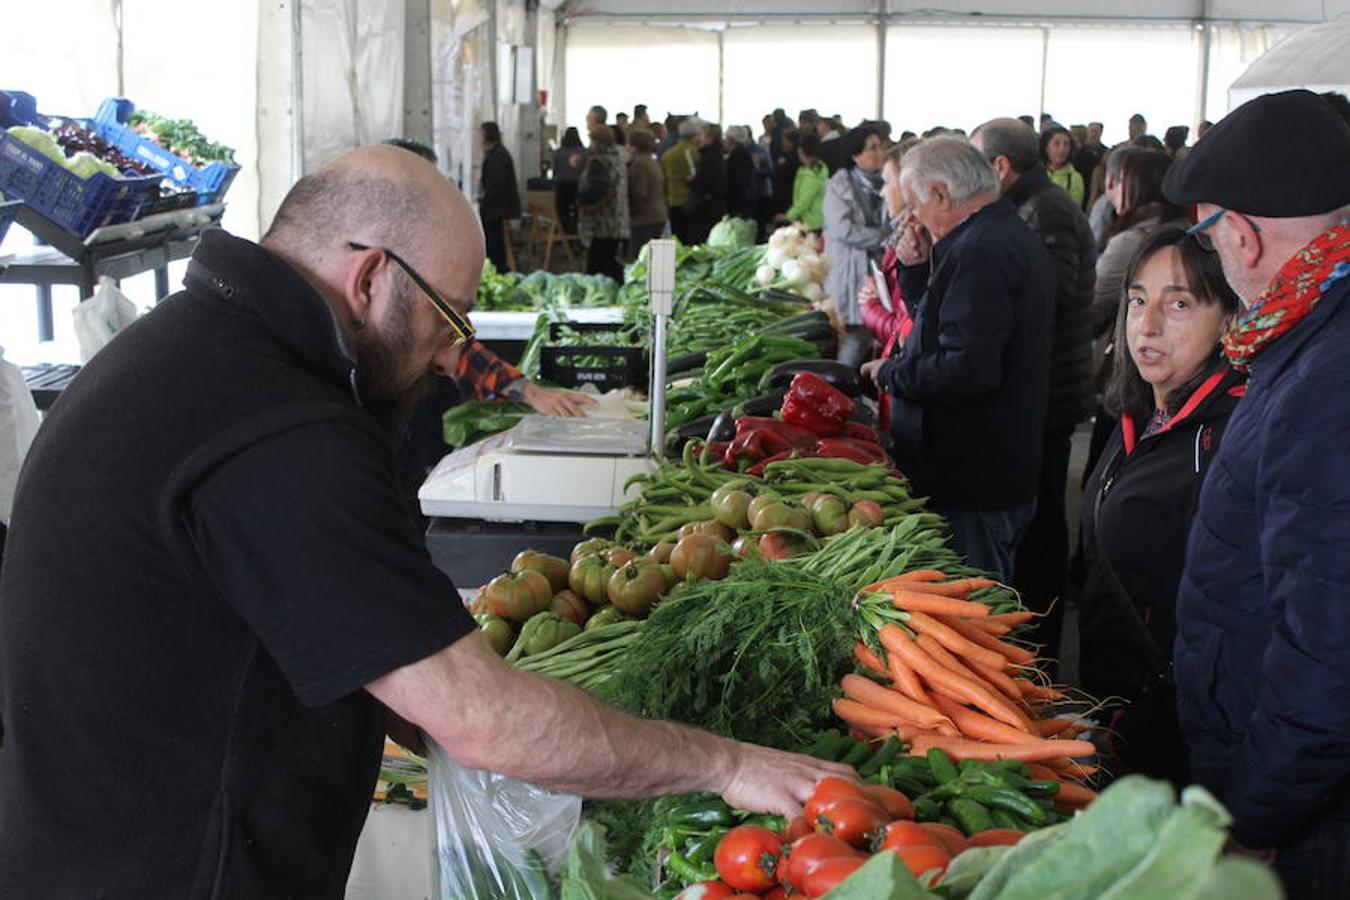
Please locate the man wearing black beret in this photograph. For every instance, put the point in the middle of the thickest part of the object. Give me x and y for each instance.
(1263, 612)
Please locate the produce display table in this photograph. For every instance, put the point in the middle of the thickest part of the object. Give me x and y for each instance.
(118, 251)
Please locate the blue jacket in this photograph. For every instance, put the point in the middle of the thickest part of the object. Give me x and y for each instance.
(1263, 612)
(970, 385)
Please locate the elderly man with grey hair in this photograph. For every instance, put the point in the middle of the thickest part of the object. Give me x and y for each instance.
(969, 386)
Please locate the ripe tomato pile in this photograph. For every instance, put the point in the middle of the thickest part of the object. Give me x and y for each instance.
(844, 823)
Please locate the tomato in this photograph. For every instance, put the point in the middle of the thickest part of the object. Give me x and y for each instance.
(620, 556)
(590, 547)
(949, 838)
(896, 804)
(852, 819)
(866, 513)
(760, 501)
(747, 858)
(730, 505)
(908, 834)
(995, 837)
(830, 874)
(702, 555)
(829, 515)
(807, 853)
(777, 514)
(706, 890)
(518, 597)
(828, 790)
(479, 603)
(711, 528)
(633, 589)
(589, 578)
(778, 545)
(799, 827)
(497, 631)
(745, 547)
(920, 859)
(552, 568)
(571, 607)
(661, 552)
(777, 893)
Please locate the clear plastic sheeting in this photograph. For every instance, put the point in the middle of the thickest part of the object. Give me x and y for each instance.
(1316, 58)
(669, 69)
(353, 75)
(497, 838)
(829, 68)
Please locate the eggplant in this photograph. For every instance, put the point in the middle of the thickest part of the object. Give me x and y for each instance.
(784, 296)
(695, 428)
(843, 377)
(763, 405)
(686, 362)
(723, 427)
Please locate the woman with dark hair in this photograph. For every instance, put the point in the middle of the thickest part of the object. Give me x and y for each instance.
(855, 226)
(1174, 140)
(1057, 154)
(1173, 393)
(808, 185)
(707, 186)
(785, 171)
(568, 161)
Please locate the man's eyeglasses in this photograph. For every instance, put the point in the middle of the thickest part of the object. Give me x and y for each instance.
(1200, 229)
(461, 331)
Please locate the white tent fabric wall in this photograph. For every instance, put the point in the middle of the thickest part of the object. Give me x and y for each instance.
(669, 69)
(1316, 58)
(461, 84)
(828, 68)
(353, 75)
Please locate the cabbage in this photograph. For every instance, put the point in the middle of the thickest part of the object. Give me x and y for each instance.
(86, 165)
(733, 233)
(40, 141)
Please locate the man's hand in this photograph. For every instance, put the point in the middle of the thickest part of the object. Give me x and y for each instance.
(550, 402)
(872, 371)
(915, 245)
(772, 781)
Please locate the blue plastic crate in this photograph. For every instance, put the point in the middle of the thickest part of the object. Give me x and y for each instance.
(77, 204)
(210, 181)
(18, 108)
(7, 213)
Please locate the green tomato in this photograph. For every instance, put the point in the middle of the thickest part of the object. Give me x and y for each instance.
(633, 589)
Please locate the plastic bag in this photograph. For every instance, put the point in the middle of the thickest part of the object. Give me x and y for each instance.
(497, 838)
(98, 319)
(18, 425)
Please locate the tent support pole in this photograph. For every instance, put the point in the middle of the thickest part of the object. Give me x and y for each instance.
(721, 75)
(881, 60)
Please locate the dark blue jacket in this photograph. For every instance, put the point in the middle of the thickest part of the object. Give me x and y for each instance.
(1263, 612)
(970, 385)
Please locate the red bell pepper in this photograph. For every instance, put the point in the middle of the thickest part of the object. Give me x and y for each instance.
(797, 411)
(827, 398)
(861, 432)
(754, 445)
(797, 437)
(863, 452)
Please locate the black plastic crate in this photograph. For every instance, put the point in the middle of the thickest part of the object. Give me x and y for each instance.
(607, 366)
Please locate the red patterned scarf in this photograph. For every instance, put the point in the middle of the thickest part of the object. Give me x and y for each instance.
(1291, 296)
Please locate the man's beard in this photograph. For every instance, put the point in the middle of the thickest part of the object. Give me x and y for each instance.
(388, 390)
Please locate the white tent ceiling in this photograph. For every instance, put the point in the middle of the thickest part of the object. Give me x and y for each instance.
(1306, 11)
(1315, 58)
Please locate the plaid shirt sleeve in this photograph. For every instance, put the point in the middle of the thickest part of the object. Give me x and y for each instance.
(486, 375)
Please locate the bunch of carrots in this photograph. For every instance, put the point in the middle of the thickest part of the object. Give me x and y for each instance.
(949, 680)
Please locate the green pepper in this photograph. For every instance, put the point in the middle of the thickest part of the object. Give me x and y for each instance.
(883, 756)
(926, 809)
(970, 815)
(687, 872)
(1004, 819)
(944, 770)
(1041, 788)
(706, 817)
(998, 778)
(701, 851)
(1012, 801)
(857, 754)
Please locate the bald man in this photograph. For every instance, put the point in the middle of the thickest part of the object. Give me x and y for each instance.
(213, 599)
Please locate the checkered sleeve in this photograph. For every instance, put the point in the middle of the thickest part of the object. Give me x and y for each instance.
(486, 376)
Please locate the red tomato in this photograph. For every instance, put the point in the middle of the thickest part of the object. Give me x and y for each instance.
(777, 893)
(828, 790)
(908, 834)
(747, 858)
(829, 874)
(706, 890)
(896, 804)
(921, 859)
(799, 827)
(995, 837)
(852, 820)
(807, 853)
(949, 838)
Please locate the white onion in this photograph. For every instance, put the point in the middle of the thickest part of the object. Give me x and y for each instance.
(764, 275)
(776, 257)
(813, 292)
(794, 273)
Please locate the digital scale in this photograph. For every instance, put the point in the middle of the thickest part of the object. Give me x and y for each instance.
(534, 485)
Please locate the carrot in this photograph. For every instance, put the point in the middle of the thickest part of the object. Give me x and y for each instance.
(958, 687)
(945, 657)
(959, 589)
(915, 601)
(989, 626)
(961, 646)
(918, 576)
(863, 654)
(1037, 692)
(1051, 727)
(995, 837)
(906, 681)
(979, 727)
(869, 693)
(1074, 795)
(959, 749)
(861, 715)
(1019, 655)
(998, 679)
(922, 575)
(1014, 618)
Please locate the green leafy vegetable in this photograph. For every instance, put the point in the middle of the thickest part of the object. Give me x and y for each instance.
(587, 877)
(469, 422)
(884, 875)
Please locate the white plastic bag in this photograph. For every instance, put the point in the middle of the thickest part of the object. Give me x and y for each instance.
(497, 838)
(98, 319)
(18, 425)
